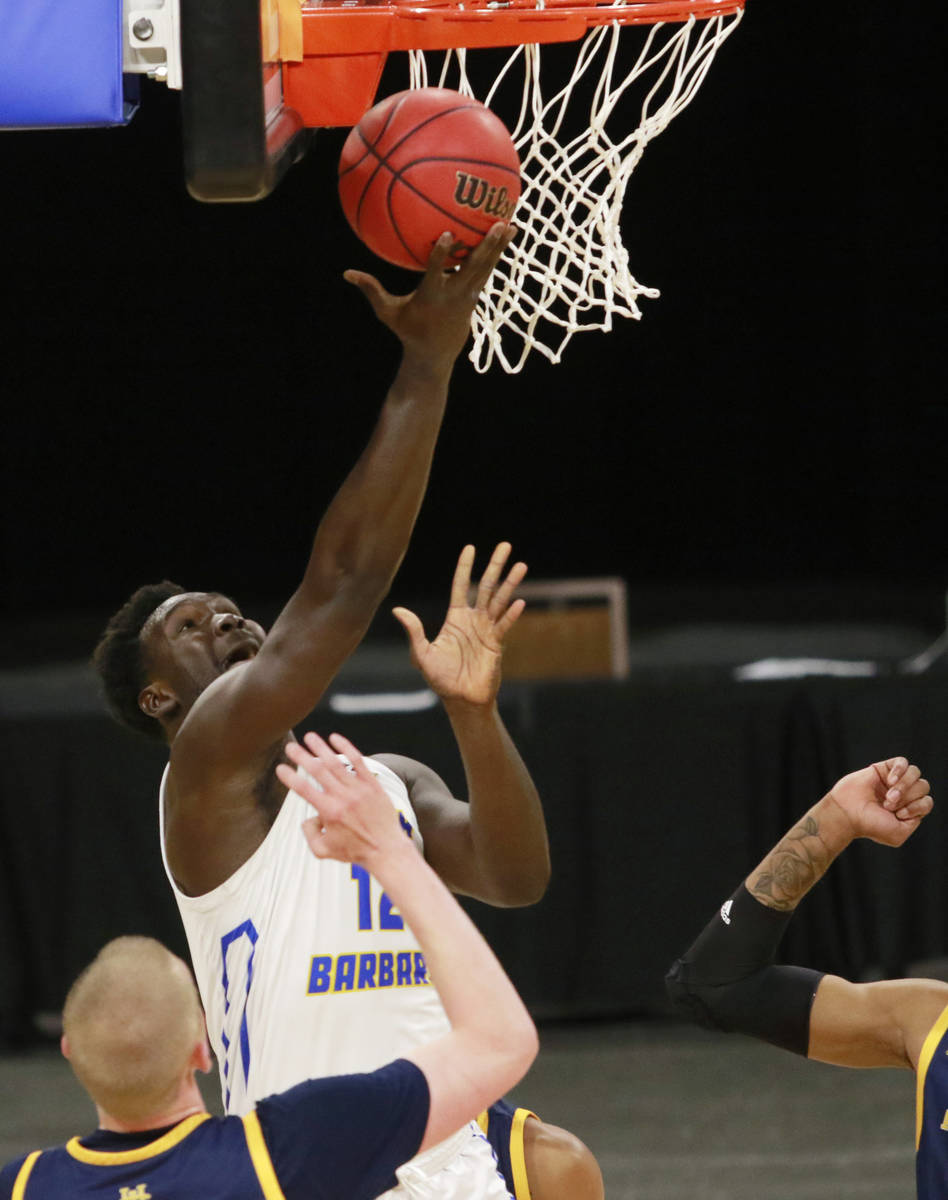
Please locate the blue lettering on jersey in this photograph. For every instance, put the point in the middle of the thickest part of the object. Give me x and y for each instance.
(365, 972)
(388, 917)
(345, 973)
(320, 973)
(364, 881)
(228, 943)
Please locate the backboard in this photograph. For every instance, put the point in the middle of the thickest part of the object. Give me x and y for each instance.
(68, 66)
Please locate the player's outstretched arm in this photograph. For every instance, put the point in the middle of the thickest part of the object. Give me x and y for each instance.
(728, 980)
(495, 847)
(492, 1040)
(364, 534)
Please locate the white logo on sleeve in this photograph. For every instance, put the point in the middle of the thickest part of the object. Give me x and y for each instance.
(726, 911)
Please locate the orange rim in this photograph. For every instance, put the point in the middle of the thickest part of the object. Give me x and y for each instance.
(344, 28)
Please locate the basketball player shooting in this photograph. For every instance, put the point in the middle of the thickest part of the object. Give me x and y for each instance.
(134, 1034)
(342, 990)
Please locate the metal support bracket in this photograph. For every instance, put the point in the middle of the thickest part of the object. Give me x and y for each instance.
(153, 40)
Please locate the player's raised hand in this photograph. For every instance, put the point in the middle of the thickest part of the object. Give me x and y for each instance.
(433, 321)
(463, 662)
(354, 819)
(886, 801)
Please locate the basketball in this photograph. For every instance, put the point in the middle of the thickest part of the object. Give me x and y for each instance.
(422, 163)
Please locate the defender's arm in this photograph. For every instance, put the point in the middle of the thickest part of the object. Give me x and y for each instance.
(728, 980)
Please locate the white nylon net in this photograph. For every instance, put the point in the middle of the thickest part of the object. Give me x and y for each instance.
(568, 269)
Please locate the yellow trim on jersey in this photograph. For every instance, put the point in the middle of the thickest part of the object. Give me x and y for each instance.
(935, 1034)
(483, 1120)
(19, 1186)
(112, 1158)
(518, 1158)
(260, 1156)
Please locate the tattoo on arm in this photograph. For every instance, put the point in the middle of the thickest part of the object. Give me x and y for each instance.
(792, 867)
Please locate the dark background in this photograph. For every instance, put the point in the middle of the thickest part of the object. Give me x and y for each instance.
(186, 384)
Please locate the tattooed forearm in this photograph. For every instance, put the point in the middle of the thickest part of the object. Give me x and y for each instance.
(792, 867)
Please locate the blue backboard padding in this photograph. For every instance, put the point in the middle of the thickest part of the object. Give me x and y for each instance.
(61, 63)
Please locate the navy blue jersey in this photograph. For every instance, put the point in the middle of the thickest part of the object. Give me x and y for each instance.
(931, 1114)
(326, 1139)
(503, 1127)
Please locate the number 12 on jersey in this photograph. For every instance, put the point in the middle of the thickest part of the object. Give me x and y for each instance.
(388, 914)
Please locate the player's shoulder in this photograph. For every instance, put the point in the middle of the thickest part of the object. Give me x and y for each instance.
(390, 765)
(415, 775)
(10, 1172)
(925, 1013)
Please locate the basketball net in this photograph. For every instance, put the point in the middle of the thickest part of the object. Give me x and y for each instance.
(568, 269)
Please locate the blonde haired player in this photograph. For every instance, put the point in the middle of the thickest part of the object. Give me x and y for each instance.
(134, 1035)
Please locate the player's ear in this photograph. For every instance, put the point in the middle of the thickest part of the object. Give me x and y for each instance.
(157, 700)
(64, 1046)
(201, 1057)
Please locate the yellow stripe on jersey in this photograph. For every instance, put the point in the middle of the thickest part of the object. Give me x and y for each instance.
(929, 1046)
(19, 1187)
(483, 1120)
(111, 1158)
(260, 1157)
(518, 1159)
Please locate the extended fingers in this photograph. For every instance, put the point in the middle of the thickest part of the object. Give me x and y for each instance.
(343, 746)
(434, 271)
(462, 578)
(317, 787)
(476, 269)
(502, 597)
(513, 612)
(413, 627)
(373, 291)
(488, 584)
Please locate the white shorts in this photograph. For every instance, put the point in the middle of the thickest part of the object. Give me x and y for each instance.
(462, 1167)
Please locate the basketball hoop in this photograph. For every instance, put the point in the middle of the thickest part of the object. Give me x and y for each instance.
(568, 270)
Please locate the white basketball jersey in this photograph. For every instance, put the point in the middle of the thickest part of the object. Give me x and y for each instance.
(304, 966)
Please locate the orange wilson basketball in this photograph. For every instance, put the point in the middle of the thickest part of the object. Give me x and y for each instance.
(422, 163)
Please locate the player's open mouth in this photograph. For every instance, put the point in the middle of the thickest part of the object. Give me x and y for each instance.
(242, 654)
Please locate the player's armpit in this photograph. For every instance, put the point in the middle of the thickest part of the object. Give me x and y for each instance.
(873, 1024)
(443, 821)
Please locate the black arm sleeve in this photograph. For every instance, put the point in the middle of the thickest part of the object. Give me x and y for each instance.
(727, 979)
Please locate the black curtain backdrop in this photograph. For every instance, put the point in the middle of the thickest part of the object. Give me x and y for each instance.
(186, 385)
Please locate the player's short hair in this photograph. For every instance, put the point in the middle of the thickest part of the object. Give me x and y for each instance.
(120, 661)
(132, 1020)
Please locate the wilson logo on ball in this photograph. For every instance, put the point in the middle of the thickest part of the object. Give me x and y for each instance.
(483, 196)
(425, 162)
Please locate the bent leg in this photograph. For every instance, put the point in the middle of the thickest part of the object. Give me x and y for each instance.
(559, 1165)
